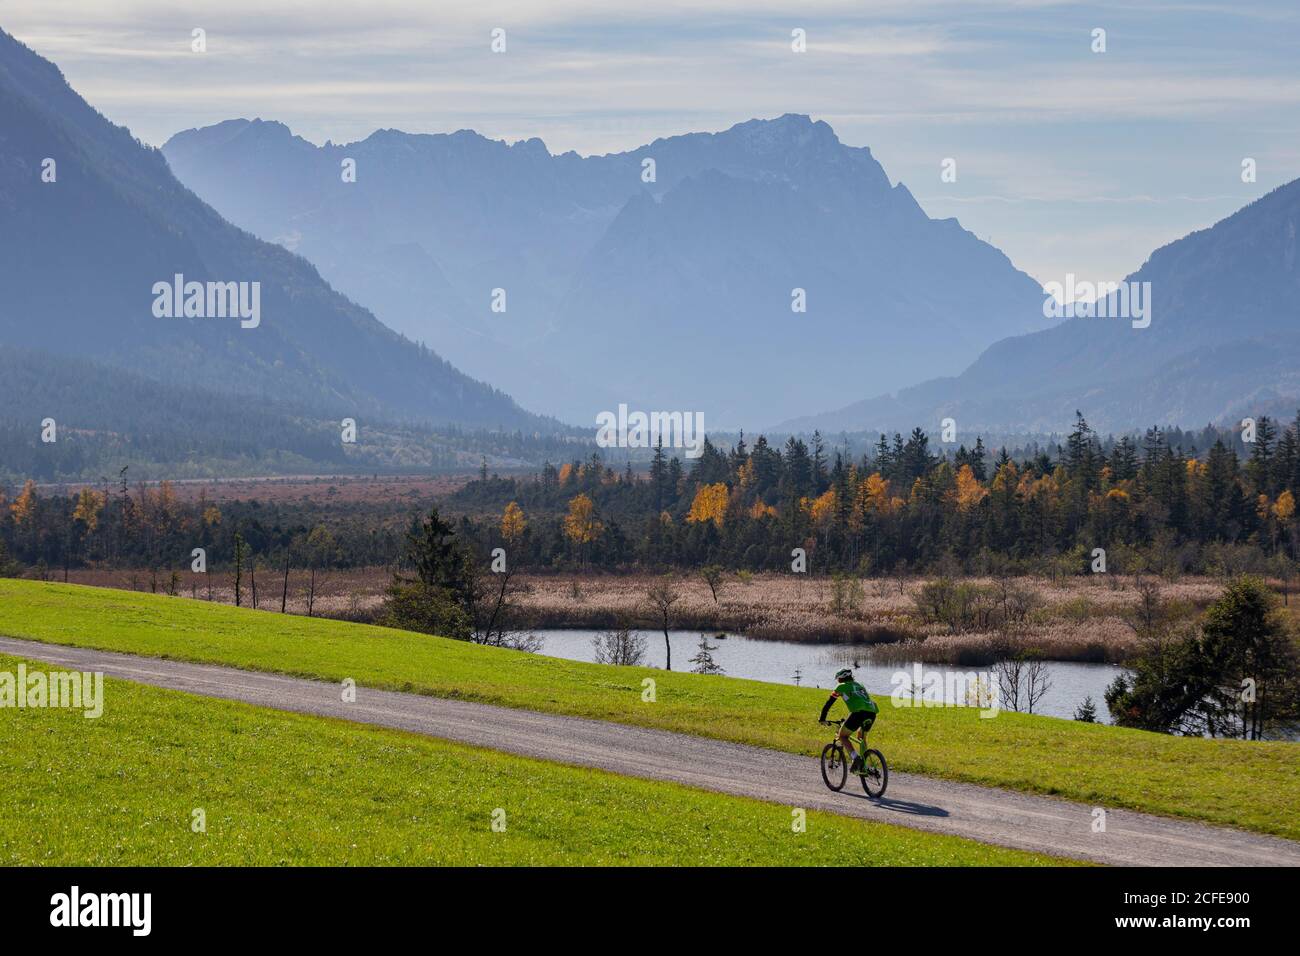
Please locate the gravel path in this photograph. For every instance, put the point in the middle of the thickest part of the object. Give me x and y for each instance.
(1023, 821)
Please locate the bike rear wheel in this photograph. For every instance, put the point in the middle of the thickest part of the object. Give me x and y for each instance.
(835, 769)
(875, 774)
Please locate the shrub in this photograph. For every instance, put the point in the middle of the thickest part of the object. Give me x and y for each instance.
(416, 606)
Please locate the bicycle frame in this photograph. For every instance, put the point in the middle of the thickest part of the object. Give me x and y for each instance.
(862, 737)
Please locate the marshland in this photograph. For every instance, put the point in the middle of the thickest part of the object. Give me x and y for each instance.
(968, 621)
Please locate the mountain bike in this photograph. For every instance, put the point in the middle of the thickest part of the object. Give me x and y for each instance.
(835, 765)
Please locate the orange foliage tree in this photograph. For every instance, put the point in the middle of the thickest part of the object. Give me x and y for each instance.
(581, 525)
(513, 523)
(24, 506)
(969, 490)
(710, 504)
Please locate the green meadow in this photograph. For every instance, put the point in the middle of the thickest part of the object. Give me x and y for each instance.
(285, 789)
(1252, 785)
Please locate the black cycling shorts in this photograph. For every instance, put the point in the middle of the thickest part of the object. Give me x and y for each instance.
(858, 718)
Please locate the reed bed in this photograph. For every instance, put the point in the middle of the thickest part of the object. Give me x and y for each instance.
(1072, 619)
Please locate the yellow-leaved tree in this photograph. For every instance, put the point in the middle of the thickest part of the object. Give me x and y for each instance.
(969, 490)
(745, 474)
(513, 523)
(710, 504)
(873, 495)
(1006, 480)
(89, 504)
(24, 506)
(822, 509)
(581, 525)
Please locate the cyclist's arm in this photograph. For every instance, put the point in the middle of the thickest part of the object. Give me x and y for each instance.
(826, 708)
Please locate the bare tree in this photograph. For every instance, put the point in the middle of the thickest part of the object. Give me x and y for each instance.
(900, 577)
(241, 552)
(661, 596)
(495, 616)
(1149, 616)
(1023, 680)
(1010, 673)
(284, 591)
(713, 577)
(620, 646)
(1038, 680)
(322, 551)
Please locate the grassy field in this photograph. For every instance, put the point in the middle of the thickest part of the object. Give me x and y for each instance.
(1251, 785)
(281, 788)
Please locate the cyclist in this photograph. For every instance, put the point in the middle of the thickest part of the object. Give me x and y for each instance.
(862, 713)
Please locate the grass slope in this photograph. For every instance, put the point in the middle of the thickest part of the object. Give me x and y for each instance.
(1251, 785)
(282, 788)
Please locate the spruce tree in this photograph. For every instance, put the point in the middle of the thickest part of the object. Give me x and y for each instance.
(1087, 711)
(1260, 466)
(703, 659)
(819, 479)
(977, 459)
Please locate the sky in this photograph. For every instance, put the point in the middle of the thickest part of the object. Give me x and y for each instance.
(1068, 159)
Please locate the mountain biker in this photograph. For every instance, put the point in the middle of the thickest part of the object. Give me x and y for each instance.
(862, 712)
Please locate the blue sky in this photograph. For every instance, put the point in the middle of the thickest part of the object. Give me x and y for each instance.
(1068, 160)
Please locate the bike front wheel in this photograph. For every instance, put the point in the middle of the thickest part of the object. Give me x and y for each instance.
(875, 774)
(835, 769)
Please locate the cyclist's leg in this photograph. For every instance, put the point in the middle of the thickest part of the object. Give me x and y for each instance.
(868, 718)
(846, 730)
(846, 741)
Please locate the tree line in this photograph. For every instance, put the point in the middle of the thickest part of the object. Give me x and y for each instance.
(1147, 504)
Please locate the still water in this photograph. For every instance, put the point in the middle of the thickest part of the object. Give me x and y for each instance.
(814, 665)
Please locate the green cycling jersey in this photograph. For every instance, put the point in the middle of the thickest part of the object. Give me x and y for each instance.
(855, 698)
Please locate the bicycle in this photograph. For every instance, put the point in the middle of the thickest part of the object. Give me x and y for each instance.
(835, 765)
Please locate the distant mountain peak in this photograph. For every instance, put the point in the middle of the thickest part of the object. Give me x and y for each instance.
(593, 254)
(270, 127)
(789, 130)
(531, 147)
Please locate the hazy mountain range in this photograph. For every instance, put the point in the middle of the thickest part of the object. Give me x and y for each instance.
(84, 241)
(670, 292)
(1223, 342)
(674, 294)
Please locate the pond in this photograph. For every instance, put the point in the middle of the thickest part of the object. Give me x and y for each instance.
(814, 665)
